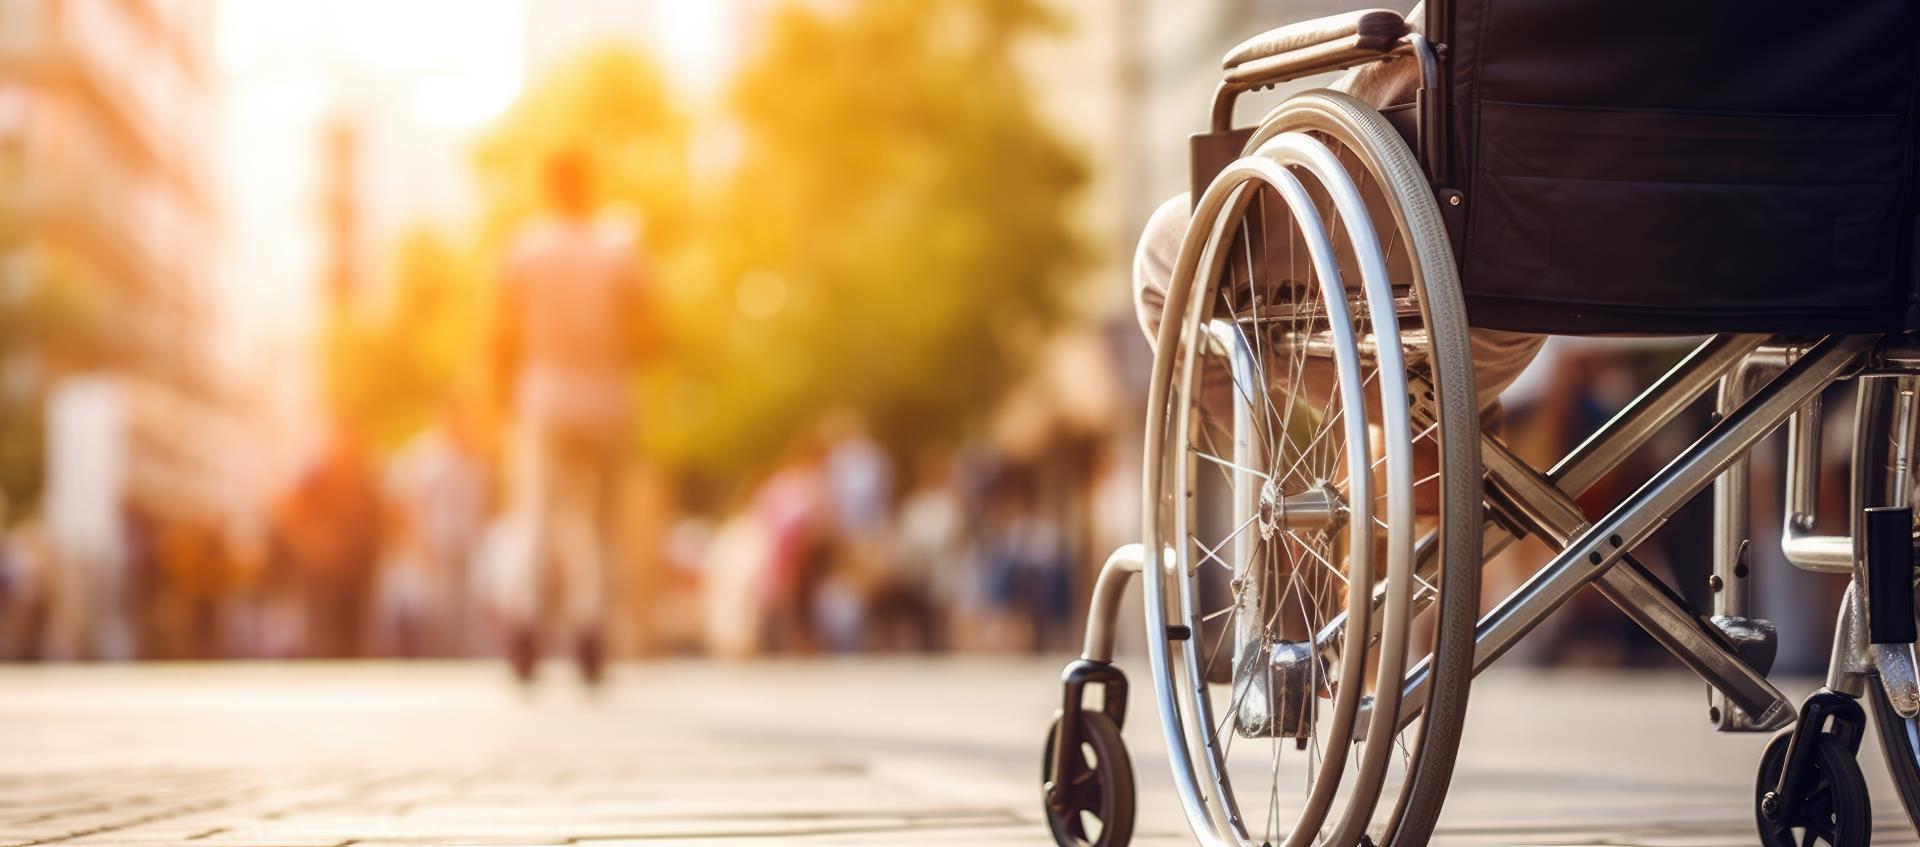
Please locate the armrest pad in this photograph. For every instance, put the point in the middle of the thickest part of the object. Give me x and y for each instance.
(1372, 29)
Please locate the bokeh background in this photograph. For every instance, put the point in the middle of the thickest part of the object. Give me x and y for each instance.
(251, 271)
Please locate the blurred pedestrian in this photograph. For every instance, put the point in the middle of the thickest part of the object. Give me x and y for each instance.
(88, 614)
(1025, 561)
(733, 585)
(859, 486)
(438, 500)
(23, 586)
(327, 532)
(927, 544)
(794, 511)
(572, 324)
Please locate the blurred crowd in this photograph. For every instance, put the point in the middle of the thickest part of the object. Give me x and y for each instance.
(838, 548)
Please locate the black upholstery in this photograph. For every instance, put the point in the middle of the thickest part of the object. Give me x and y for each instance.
(1680, 166)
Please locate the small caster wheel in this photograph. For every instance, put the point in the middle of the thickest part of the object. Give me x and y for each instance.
(1833, 807)
(1092, 804)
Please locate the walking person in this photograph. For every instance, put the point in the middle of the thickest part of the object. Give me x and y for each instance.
(572, 324)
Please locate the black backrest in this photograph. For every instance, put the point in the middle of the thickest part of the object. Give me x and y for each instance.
(1678, 166)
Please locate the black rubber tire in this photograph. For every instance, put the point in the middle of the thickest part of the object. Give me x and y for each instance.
(1898, 743)
(1105, 787)
(1837, 794)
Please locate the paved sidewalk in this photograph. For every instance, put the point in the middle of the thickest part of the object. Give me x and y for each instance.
(856, 753)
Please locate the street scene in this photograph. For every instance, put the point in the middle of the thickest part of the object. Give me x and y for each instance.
(648, 421)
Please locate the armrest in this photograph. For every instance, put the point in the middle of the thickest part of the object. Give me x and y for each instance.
(1316, 46)
(1375, 29)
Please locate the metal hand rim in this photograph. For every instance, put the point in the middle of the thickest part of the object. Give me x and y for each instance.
(1217, 822)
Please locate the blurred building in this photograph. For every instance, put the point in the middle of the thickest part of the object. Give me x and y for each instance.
(105, 122)
(107, 232)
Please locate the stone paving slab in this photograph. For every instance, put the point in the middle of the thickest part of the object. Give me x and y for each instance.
(869, 752)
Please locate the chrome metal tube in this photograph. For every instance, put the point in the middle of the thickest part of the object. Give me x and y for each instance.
(1604, 543)
(1798, 542)
(1553, 515)
(1900, 443)
(1654, 408)
(1602, 451)
(1697, 644)
(1818, 553)
(1104, 611)
(1732, 535)
(1731, 530)
(1246, 489)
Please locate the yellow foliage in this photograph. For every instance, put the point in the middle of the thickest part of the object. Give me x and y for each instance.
(393, 363)
(892, 237)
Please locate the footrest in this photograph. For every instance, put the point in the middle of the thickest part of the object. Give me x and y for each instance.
(1754, 640)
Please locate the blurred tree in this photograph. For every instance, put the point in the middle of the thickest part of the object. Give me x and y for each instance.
(894, 236)
(393, 362)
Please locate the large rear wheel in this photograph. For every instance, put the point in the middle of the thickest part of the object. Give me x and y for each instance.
(1312, 476)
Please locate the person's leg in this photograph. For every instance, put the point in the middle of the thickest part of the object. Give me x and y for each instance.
(528, 546)
(584, 519)
(1498, 359)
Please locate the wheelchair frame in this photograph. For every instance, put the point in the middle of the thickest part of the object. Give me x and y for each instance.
(1762, 382)
(1524, 501)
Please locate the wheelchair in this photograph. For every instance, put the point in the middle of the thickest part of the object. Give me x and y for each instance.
(1320, 493)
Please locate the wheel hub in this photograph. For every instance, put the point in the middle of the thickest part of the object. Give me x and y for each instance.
(1317, 507)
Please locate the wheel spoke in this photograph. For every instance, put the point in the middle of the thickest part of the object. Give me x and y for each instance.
(1325, 428)
(1219, 641)
(1214, 551)
(1427, 587)
(1227, 464)
(1216, 614)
